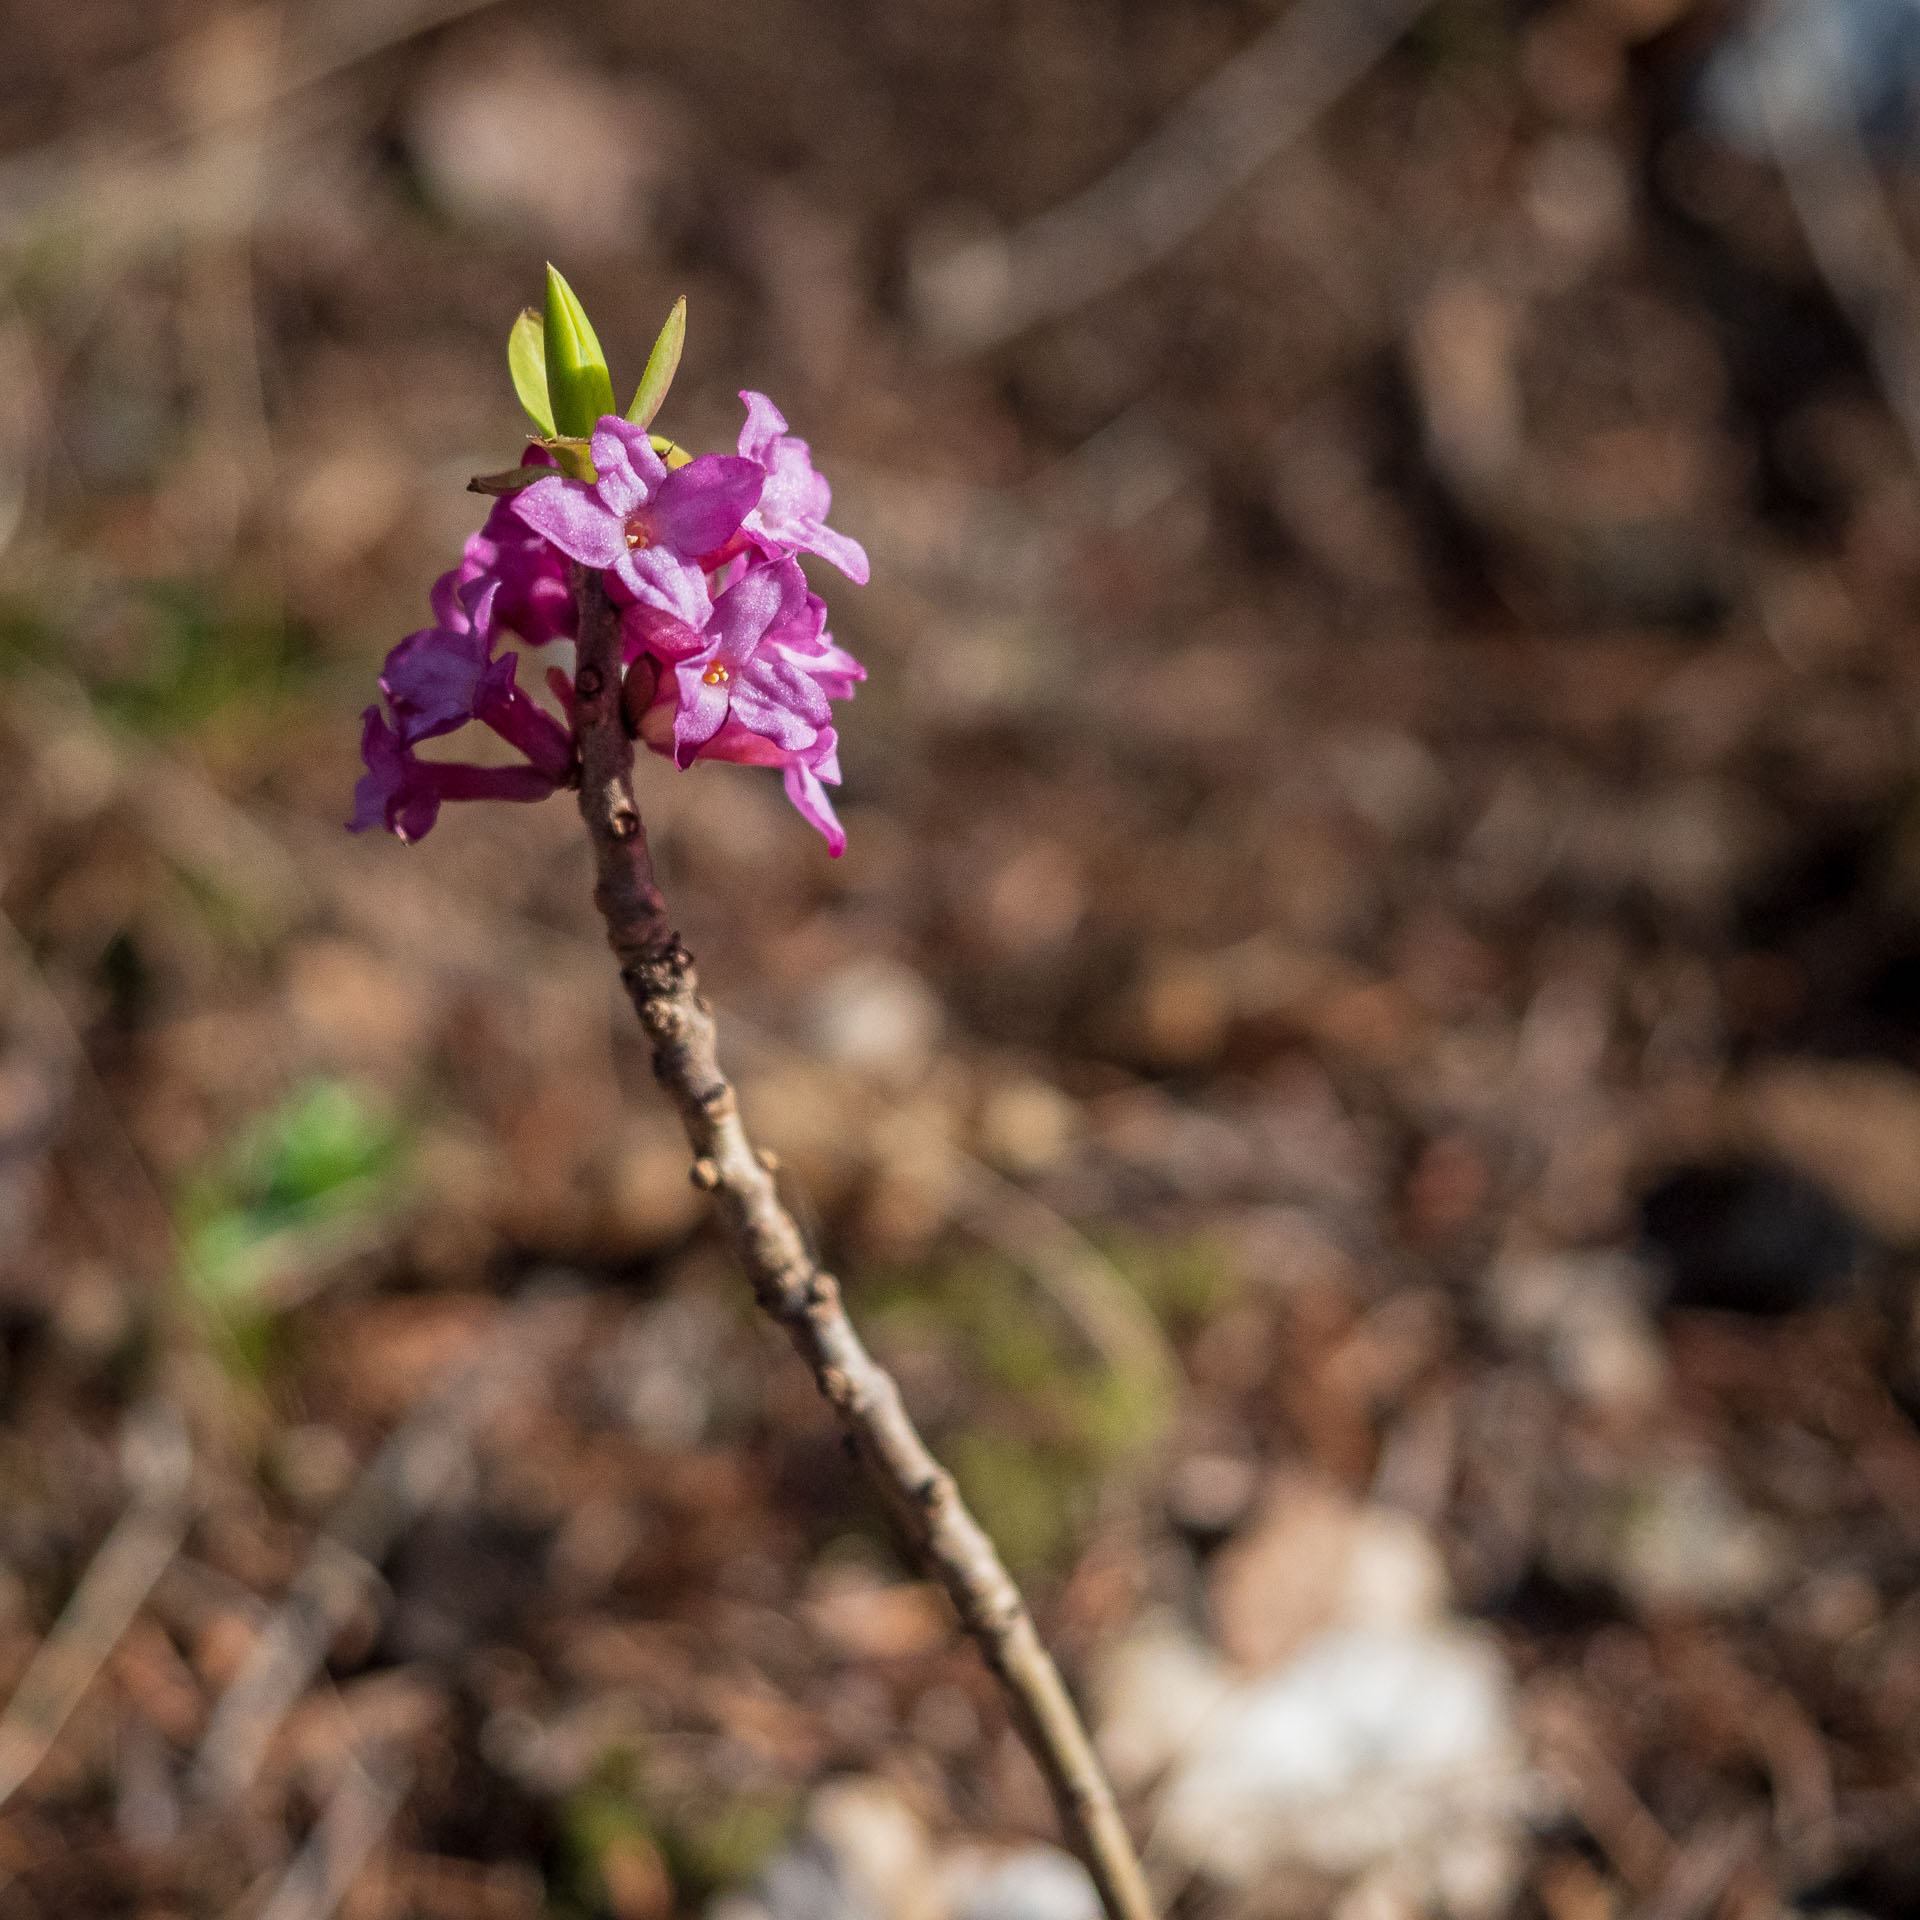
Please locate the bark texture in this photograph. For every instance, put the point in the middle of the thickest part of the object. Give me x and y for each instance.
(949, 1543)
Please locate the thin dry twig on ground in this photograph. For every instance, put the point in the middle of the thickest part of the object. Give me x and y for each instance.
(159, 1463)
(323, 1872)
(1598, 1794)
(419, 1461)
(1080, 1280)
(944, 1536)
(990, 289)
(1704, 1866)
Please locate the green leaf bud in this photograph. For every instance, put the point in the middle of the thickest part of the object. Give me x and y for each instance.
(527, 362)
(662, 364)
(579, 388)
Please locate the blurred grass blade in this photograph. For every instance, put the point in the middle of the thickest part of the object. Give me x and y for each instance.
(527, 362)
(579, 387)
(662, 364)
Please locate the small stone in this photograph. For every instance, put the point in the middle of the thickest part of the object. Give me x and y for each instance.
(870, 1619)
(1372, 1744)
(1027, 1127)
(879, 1846)
(1208, 1494)
(1036, 1883)
(1589, 1315)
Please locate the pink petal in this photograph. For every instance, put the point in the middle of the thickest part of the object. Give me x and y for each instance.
(764, 425)
(570, 515)
(810, 797)
(700, 506)
(629, 470)
(842, 551)
(702, 709)
(659, 578)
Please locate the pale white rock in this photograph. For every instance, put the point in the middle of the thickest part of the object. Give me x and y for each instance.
(1033, 1883)
(879, 1846)
(1373, 1744)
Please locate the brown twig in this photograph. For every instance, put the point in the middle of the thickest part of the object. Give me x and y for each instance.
(323, 1872)
(409, 1473)
(114, 1588)
(950, 1543)
(992, 289)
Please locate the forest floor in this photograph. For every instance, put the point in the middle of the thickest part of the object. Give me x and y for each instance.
(1362, 1064)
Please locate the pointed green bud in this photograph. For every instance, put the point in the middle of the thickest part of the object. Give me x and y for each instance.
(579, 388)
(669, 451)
(527, 362)
(662, 364)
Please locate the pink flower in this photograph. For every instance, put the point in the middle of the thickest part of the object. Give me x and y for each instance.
(791, 516)
(530, 572)
(754, 686)
(402, 793)
(649, 527)
(764, 660)
(802, 770)
(439, 679)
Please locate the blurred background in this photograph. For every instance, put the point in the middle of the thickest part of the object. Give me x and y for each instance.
(1362, 1064)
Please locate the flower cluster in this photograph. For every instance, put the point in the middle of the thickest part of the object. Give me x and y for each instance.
(726, 651)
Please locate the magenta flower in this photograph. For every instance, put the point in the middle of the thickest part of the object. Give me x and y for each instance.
(432, 677)
(445, 675)
(724, 648)
(533, 601)
(437, 680)
(403, 793)
(792, 514)
(649, 527)
(802, 770)
(764, 662)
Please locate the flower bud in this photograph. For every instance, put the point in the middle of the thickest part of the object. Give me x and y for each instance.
(579, 388)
